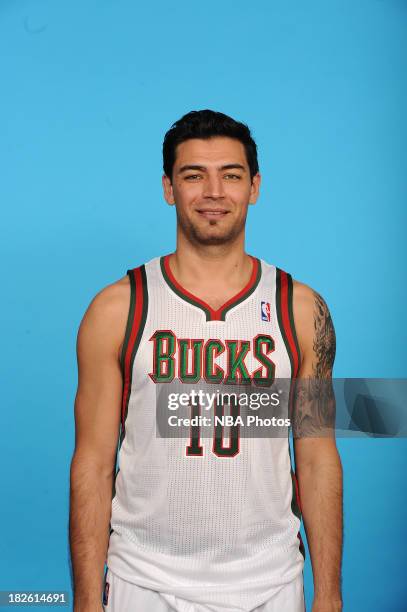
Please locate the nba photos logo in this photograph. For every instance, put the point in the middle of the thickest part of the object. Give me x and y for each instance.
(265, 311)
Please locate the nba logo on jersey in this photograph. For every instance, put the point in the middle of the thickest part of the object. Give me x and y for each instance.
(265, 311)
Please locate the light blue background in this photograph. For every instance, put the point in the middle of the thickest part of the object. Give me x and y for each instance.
(88, 89)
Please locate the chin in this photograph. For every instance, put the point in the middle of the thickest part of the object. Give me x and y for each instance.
(210, 234)
(213, 238)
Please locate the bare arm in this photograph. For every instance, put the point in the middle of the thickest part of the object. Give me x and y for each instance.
(97, 420)
(317, 460)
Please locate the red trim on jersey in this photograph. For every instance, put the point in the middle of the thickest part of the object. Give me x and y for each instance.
(215, 314)
(286, 322)
(135, 326)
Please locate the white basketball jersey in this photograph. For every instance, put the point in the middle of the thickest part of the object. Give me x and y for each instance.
(213, 521)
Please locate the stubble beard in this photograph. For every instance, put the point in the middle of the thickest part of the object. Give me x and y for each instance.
(197, 235)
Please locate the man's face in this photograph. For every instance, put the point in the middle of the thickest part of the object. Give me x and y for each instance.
(211, 189)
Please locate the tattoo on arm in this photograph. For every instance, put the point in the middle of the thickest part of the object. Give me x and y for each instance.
(324, 339)
(313, 410)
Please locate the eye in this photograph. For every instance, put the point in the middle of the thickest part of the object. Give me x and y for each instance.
(232, 176)
(192, 177)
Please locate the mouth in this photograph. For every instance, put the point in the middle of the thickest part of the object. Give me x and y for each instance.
(212, 213)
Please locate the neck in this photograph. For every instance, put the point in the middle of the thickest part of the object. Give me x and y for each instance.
(222, 264)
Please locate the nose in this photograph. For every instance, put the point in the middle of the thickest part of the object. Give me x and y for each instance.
(213, 186)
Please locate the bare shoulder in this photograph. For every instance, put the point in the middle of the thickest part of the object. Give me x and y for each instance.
(104, 321)
(315, 329)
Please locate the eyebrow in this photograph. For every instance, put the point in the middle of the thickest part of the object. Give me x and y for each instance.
(203, 168)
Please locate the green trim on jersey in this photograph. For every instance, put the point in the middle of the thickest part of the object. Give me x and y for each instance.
(130, 318)
(140, 330)
(280, 319)
(180, 293)
(195, 301)
(291, 316)
(129, 327)
(245, 295)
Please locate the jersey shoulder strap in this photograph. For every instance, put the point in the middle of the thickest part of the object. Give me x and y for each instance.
(285, 316)
(136, 321)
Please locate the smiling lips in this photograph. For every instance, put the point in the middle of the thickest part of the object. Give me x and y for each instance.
(212, 213)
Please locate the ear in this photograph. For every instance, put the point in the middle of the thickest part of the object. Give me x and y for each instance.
(255, 189)
(168, 191)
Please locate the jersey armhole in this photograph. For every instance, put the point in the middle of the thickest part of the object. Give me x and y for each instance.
(130, 319)
(291, 316)
(285, 316)
(136, 321)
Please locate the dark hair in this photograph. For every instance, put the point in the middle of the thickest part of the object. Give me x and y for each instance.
(207, 124)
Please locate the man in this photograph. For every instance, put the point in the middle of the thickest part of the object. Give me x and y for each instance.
(199, 525)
